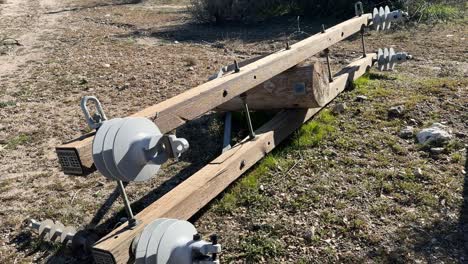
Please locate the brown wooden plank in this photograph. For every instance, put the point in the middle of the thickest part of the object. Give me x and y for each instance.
(193, 103)
(197, 191)
(304, 86)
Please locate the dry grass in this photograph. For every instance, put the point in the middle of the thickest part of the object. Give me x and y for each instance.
(342, 188)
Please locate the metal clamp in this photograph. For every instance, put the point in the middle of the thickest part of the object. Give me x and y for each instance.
(96, 120)
(359, 9)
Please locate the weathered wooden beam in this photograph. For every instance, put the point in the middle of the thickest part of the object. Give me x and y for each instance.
(193, 103)
(197, 191)
(304, 86)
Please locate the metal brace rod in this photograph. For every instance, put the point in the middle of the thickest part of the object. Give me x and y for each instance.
(132, 222)
(247, 114)
(327, 53)
(364, 54)
(227, 132)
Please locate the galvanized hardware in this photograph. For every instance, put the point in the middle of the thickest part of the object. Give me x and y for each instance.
(227, 132)
(53, 231)
(382, 18)
(359, 8)
(388, 58)
(236, 67)
(363, 42)
(133, 149)
(132, 222)
(287, 45)
(247, 114)
(69, 161)
(173, 241)
(95, 121)
(327, 54)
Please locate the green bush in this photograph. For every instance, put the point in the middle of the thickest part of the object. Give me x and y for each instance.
(250, 11)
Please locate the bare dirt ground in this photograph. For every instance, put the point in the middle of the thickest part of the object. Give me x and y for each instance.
(352, 198)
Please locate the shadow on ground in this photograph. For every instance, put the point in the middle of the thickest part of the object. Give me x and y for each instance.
(283, 28)
(99, 4)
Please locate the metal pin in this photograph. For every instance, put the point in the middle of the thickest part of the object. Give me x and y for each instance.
(323, 28)
(327, 53)
(247, 114)
(364, 54)
(236, 67)
(132, 222)
(287, 45)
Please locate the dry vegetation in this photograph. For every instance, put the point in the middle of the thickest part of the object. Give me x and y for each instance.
(342, 189)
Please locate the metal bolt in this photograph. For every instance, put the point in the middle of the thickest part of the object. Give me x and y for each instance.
(327, 53)
(247, 114)
(236, 67)
(132, 222)
(287, 45)
(323, 28)
(214, 241)
(363, 42)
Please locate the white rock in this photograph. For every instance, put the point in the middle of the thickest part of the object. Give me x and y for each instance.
(361, 98)
(436, 134)
(418, 172)
(437, 150)
(407, 132)
(339, 108)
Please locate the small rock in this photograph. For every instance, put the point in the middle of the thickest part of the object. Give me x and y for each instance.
(262, 188)
(413, 122)
(460, 135)
(418, 172)
(437, 151)
(133, 78)
(407, 132)
(124, 87)
(435, 135)
(106, 65)
(176, 42)
(149, 63)
(309, 235)
(396, 111)
(339, 108)
(361, 98)
(190, 69)
(83, 81)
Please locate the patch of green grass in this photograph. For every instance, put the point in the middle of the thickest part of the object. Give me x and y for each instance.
(7, 103)
(442, 12)
(247, 191)
(369, 85)
(21, 139)
(310, 134)
(257, 246)
(456, 157)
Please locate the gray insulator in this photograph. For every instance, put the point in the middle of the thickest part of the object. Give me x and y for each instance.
(133, 149)
(388, 58)
(172, 241)
(383, 18)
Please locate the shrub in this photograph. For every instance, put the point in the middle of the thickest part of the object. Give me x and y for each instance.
(249, 11)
